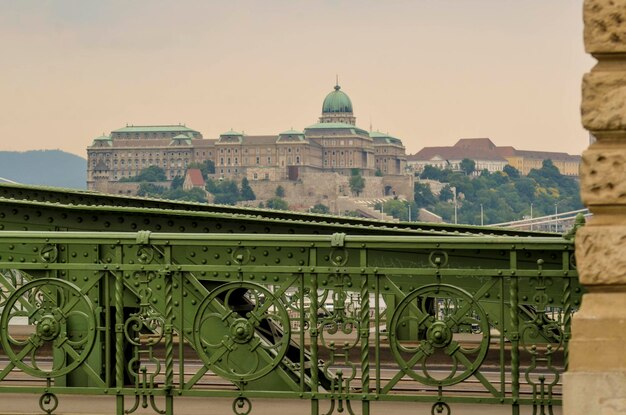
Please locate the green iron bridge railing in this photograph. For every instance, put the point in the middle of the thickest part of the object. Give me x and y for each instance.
(216, 301)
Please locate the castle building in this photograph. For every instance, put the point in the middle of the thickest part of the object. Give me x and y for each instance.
(493, 158)
(334, 144)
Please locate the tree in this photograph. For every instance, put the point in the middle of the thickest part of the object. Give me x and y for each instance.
(446, 193)
(150, 189)
(149, 174)
(357, 182)
(423, 196)
(277, 203)
(468, 166)
(320, 208)
(177, 182)
(246, 191)
(432, 173)
(400, 209)
(280, 191)
(224, 191)
(378, 173)
(511, 171)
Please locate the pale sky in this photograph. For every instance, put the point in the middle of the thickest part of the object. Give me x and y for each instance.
(426, 71)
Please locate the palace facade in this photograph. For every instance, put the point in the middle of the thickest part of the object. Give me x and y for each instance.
(333, 144)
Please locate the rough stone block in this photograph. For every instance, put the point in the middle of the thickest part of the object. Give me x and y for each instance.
(602, 176)
(600, 255)
(592, 393)
(604, 101)
(605, 26)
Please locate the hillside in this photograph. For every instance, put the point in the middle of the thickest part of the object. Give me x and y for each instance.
(492, 197)
(44, 167)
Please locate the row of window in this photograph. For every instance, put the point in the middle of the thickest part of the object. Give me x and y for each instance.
(342, 162)
(235, 161)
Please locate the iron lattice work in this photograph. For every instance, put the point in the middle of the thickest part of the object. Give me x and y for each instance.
(336, 320)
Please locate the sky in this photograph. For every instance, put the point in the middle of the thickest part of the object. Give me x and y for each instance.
(426, 71)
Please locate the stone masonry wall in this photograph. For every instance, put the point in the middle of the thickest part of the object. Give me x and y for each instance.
(596, 379)
(313, 188)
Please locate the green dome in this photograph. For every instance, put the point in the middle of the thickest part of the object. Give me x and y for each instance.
(337, 101)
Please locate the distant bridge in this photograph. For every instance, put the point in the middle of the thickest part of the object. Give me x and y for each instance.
(552, 223)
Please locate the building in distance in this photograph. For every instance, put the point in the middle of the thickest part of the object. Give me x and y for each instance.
(333, 145)
(488, 156)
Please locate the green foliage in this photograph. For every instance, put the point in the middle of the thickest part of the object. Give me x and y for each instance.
(277, 203)
(511, 171)
(378, 173)
(149, 174)
(352, 214)
(503, 196)
(320, 208)
(357, 182)
(177, 182)
(446, 193)
(433, 173)
(423, 196)
(225, 192)
(468, 166)
(400, 209)
(280, 191)
(152, 190)
(246, 191)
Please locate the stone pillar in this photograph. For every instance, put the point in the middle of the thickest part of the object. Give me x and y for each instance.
(596, 379)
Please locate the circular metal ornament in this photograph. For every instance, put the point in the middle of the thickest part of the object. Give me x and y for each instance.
(339, 257)
(62, 316)
(438, 258)
(49, 253)
(145, 254)
(241, 255)
(437, 342)
(439, 408)
(241, 331)
(242, 406)
(48, 402)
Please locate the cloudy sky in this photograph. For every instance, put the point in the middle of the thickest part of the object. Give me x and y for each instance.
(427, 71)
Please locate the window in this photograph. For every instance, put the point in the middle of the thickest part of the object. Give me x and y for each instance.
(258, 160)
(255, 176)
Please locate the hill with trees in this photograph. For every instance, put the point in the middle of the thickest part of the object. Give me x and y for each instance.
(504, 196)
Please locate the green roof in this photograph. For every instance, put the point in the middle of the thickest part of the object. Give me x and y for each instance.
(291, 132)
(232, 132)
(336, 126)
(378, 136)
(152, 128)
(102, 138)
(337, 101)
(181, 137)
